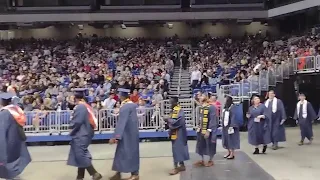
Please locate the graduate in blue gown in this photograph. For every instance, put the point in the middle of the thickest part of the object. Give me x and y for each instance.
(277, 116)
(82, 127)
(230, 129)
(14, 155)
(179, 137)
(126, 135)
(304, 115)
(258, 125)
(206, 133)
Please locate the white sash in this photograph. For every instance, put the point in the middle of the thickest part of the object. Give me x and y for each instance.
(226, 117)
(304, 108)
(274, 104)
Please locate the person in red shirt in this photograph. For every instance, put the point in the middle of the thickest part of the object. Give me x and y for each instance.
(213, 101)
(134, 97)
(115, 97)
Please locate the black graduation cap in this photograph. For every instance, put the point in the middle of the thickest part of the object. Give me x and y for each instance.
(123, 91)
(80, 93)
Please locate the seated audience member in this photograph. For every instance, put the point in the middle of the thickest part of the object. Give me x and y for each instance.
(110, 102)
(134, 97)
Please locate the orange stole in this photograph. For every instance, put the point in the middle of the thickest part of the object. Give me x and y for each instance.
(17, 114)
(92, 118)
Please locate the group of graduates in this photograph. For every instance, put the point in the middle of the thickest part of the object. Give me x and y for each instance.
(266, 121)
(14, 155)
(265, 126)
(207, 131)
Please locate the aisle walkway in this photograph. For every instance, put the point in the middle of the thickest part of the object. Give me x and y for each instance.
(289, 163)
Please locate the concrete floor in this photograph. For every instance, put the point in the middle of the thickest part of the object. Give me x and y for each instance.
(290, 163)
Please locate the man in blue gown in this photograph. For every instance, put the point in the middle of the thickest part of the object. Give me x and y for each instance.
(178, 136)
(126, 135)
(82, 127)
(304, 115)
(207, 133)
(277, 116)
(14, 155)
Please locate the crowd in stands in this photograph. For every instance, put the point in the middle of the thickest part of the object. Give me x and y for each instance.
(221, 61)
(43, 73)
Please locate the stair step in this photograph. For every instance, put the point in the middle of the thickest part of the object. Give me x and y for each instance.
(185, 91)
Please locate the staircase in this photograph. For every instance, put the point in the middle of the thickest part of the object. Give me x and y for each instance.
(174, 85)
(185, 90)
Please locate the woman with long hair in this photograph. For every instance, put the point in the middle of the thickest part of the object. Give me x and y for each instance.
(258, 125)
(230, 129)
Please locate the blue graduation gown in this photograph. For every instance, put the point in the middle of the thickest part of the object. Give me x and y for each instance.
(81, 133)
(277, 131)
(306, 123)
(231, 141)
(127, 156)
(258, 132)
(14, 155)
(207, 146)
(178, 135)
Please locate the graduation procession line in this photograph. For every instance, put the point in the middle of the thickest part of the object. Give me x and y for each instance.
(265, 126)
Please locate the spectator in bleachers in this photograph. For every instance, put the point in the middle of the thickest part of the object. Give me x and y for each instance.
(195, 77)
(110, 102)
(116, 109)
(157, 97)
(214, 101)
(60, 104)
(71, 102)
(142, 112)
(134, 97)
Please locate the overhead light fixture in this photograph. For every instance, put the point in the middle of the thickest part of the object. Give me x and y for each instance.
(123, 26)
(80, 26)
(170, 25)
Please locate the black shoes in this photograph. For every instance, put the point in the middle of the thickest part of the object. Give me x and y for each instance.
(264, 149)
(97, 176)
(226, 156)
(256, 151)
(230, 158)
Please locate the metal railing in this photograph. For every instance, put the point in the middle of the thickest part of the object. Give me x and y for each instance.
(274, 74)
(255, 84)
(150, 118)
(306, 64)
(179, 81)
(57, 122)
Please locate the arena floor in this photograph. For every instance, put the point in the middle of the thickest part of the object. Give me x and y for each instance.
(289, 163)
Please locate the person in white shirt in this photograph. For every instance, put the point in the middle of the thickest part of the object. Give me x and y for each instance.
(109, 102)
(195, 77)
